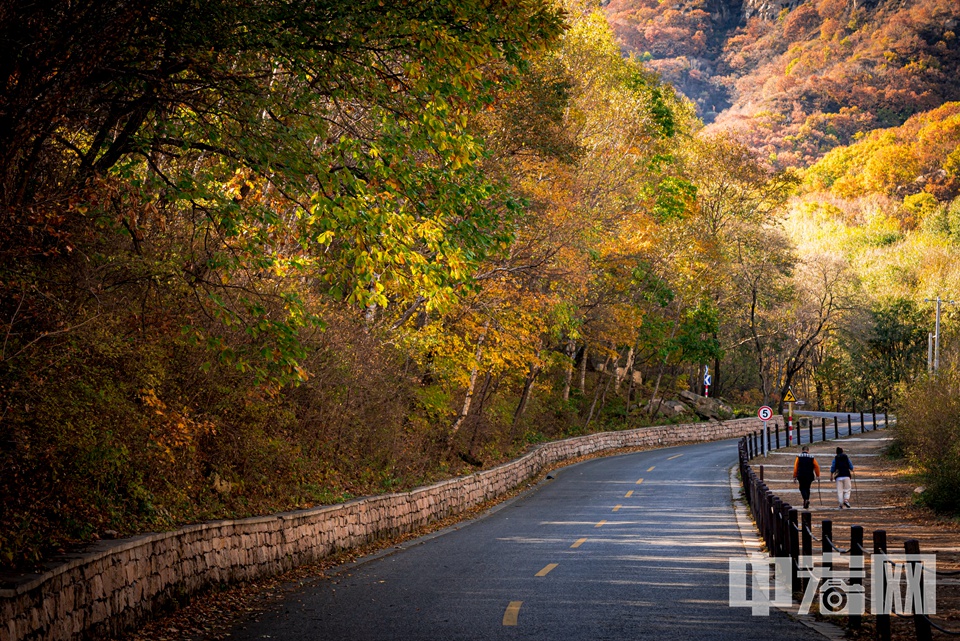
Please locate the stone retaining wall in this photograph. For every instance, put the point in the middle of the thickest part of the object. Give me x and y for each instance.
(117, 585)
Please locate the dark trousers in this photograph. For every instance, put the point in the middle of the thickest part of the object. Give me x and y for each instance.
(805, 488)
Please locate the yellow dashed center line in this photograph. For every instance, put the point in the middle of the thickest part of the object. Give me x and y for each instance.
(673, 457)
(545, 571)
(628, 494)
(616, 508)
(513, 610)
(650, 469)
(640, 481)
(600, 524)
(578, 543)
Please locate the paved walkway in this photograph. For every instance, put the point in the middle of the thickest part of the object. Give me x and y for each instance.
(882, 499)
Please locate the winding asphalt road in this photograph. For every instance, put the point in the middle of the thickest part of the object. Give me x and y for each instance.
(625, 547)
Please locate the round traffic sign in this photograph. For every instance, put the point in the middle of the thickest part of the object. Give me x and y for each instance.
(765, 413)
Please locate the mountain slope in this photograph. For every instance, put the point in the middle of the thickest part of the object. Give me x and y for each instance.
(804, 78)
(683, 41)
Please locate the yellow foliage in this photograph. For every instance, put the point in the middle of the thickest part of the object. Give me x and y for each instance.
(173, 430)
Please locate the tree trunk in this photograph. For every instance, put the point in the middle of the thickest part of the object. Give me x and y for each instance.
(470, 387)
(663, 364)
(596, 394)
(371, 314)
(568, 373)
(583, 371)
(478, 416)
(631, 387)
(716, 375)
(758, 346)
(527, 390)
(626, 368)
(656, 388)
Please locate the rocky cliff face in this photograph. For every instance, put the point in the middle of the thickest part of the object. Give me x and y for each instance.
(766, 9)
(683, 40)
(726, 13)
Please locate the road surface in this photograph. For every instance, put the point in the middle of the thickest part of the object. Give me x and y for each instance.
(626, 547)
(834, 424)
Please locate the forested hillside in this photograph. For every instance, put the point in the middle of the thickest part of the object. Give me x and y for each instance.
(261, 255)
(860, 99)
(890, 204)
(800, 78)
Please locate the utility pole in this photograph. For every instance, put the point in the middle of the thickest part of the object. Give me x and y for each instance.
(936, 336)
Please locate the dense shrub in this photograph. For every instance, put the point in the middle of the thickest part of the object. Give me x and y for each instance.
(928, 431)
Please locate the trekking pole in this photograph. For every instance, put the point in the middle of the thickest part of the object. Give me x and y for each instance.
(856, 488)
(819, 493)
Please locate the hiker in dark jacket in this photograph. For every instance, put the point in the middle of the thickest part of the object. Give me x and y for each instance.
(805, 469)
(842, 471)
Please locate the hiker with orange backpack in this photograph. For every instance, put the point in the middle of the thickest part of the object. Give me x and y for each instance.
(805, 469)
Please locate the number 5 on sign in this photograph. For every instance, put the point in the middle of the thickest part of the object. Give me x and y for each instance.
(765, 413)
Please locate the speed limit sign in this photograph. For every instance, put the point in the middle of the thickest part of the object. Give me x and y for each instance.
(765, 413)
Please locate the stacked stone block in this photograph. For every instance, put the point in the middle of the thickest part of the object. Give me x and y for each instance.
(117, 585)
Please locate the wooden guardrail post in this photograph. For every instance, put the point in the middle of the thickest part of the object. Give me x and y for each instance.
(879, 574)
(810, 425)
(764, 511)
(776, 433)
(794, 549)
(768, 521)
(806, 541)
(823, 429)
(779, 523)
(784, 529)
(856, 550)
(826, 535)
(920, 622)
(777, 526)
(849, 426)
(836, 428)
(785, 524)
(862, 427)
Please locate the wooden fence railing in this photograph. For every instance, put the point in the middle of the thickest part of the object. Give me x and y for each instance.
(788, 532)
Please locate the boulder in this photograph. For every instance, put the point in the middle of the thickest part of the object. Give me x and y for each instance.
(708, 408)
(668, 408)
(624, 374)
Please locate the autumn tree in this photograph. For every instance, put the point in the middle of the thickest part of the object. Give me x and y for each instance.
(190, 193)
(741, 259)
